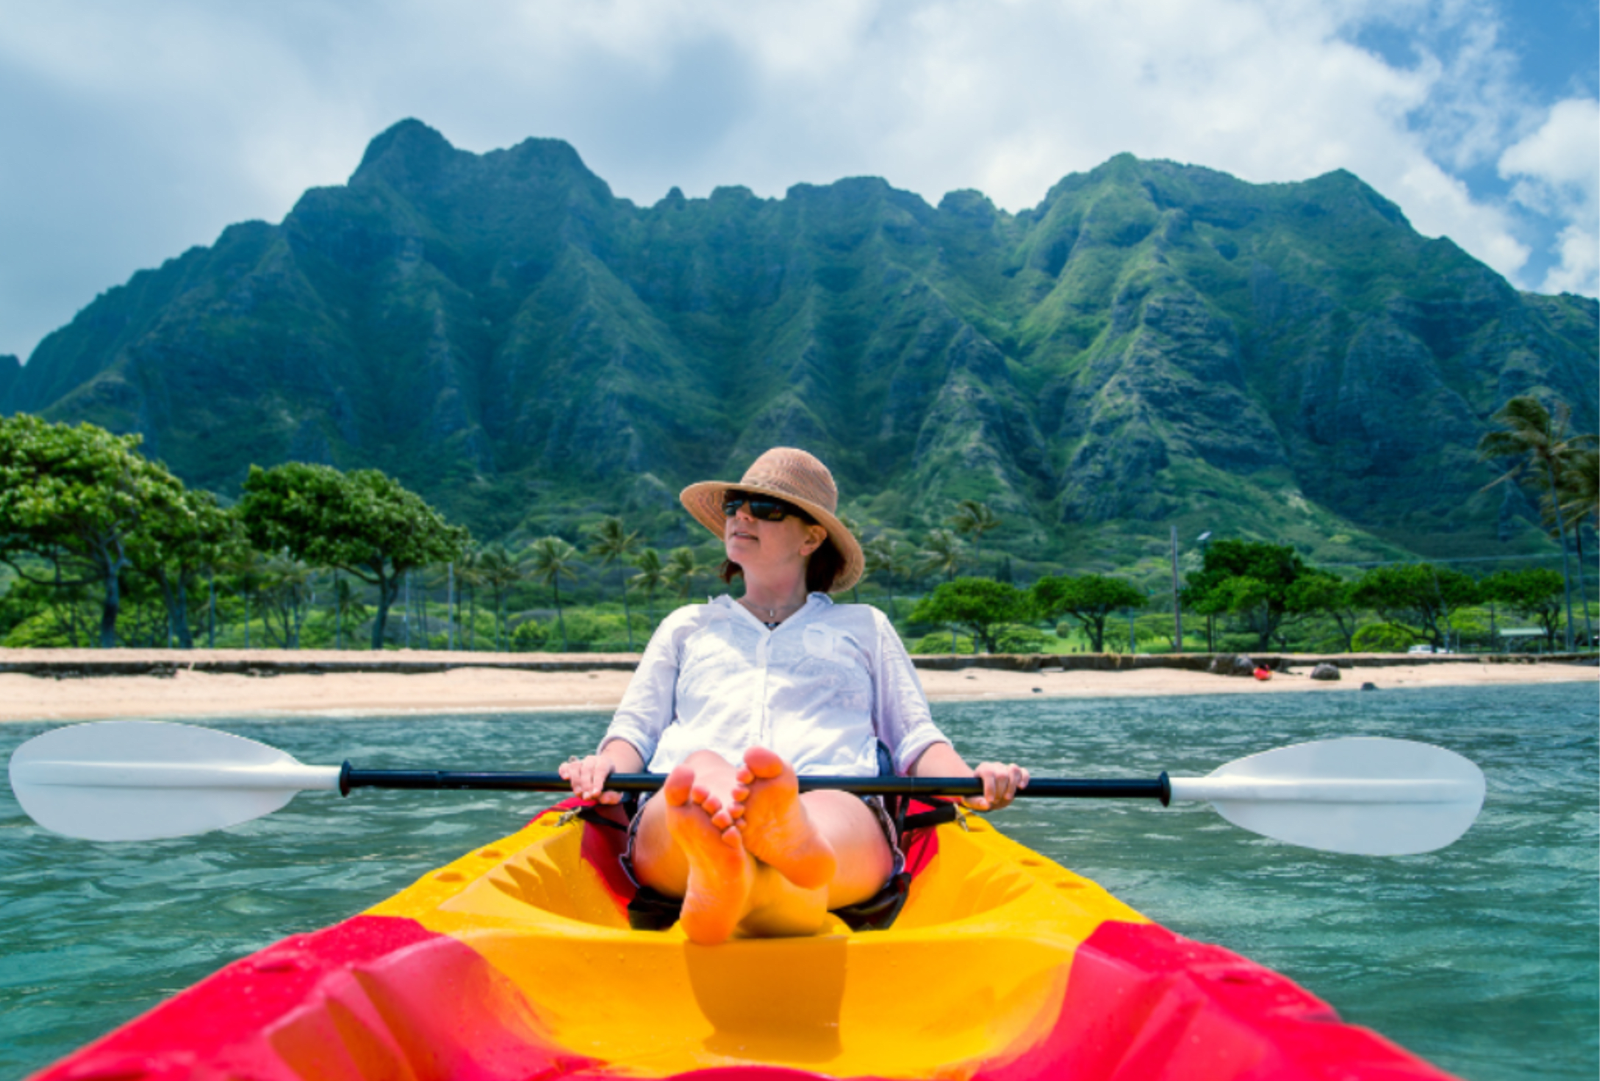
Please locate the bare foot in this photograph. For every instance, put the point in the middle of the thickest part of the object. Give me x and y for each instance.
(776, 829)
(720, 870)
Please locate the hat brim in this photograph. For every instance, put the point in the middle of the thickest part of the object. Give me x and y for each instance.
(704, 501)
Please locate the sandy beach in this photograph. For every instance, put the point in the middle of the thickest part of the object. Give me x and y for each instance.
(187, 693)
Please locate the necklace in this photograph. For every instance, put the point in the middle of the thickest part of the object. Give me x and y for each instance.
(771, 622)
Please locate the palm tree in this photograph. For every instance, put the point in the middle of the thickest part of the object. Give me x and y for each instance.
(973, 519)
(944, 554)
(612, 543)
(347, 606)
(1581, 499)
(652, 573)
(288, 581)
(887, 559)
(548, 560)
(469, 576)
(498, 569)
(1535, 440)
(682, 569)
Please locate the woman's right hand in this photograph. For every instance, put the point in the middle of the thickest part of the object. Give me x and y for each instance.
(588, 777)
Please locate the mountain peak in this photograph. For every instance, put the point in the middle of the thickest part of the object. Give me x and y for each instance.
(407, 151)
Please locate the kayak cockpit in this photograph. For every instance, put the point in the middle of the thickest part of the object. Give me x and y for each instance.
(978, 958)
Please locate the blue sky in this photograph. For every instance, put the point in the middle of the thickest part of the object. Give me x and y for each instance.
(133, 131)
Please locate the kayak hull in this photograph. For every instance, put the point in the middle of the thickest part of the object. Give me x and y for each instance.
(516, 962)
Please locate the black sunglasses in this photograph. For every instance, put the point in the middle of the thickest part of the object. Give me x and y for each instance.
(762, 507)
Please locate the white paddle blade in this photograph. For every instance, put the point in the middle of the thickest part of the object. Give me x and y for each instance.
(143, 780)
(1366, 796)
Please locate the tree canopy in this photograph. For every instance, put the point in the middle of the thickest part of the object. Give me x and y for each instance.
(981, 605)
(1089, 599)
(363, 522)
(79, 500)
(1250, 579)
(1533, 592)
(1418, 594)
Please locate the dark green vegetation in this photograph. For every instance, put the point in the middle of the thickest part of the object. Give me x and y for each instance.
(1152, 344)
(362, 523)
(92, 530)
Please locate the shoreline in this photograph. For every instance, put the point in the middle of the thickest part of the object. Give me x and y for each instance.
(82, 685)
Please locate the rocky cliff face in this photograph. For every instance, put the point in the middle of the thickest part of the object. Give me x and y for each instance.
(1152, 343)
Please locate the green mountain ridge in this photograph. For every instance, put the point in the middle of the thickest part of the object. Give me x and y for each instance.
(1153, 343)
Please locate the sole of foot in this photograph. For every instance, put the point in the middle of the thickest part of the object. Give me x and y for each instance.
(775, 826)
(720, 871)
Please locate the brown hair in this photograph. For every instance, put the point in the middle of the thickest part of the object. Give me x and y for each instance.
(822, 568)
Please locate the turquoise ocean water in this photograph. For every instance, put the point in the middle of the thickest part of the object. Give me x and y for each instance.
(1483, 958)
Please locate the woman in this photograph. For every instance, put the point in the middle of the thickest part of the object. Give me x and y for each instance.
(734, 698)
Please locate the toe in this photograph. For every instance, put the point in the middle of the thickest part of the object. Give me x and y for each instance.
(678, 785)
(763, 763)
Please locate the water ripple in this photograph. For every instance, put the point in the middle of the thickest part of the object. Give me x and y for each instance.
(1482, 957)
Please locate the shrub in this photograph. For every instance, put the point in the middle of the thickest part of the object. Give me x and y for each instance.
(939, 642)
(1020, 638)
(529, 637)
(1385, 638)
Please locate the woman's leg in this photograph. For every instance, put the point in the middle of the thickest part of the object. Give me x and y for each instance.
(824, 838)
(686, 846)
(701, 839)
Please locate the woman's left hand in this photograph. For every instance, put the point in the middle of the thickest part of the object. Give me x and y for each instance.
(1001, 783)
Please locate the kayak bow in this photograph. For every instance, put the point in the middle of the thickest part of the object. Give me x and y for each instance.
(517, 961)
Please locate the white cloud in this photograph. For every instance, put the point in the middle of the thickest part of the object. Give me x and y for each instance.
(217, 114)
(1557, 173)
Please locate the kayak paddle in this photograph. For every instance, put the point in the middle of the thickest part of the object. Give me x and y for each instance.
(142, 780)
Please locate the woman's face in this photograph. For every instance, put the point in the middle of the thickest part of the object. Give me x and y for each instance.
(763, 548)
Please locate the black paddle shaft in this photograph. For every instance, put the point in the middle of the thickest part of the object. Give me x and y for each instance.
(1041, 787)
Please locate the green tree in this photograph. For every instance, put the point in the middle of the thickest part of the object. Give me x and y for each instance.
(1089, 599)
(288, 592)
(887, 560)
(1249, 579)
(76, 499)
(549, 559)
(1535, 443)
(347, 608)
(980, 605)
(652, 575)
(1323, 594)
(682, 568)
(181, 539)
(613, 543)
(1581, 497)
(973, 519)
(1416, 594)
(363, 522)
(501, 571)
(1533, 592)
(1384, 638)
(469, 576)
(944, 554)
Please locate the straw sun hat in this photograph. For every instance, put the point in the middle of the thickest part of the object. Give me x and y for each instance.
(796, 477)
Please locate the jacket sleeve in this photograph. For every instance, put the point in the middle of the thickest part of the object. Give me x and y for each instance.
(648, 705)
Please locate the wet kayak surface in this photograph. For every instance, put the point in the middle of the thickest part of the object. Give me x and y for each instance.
(1481, 958)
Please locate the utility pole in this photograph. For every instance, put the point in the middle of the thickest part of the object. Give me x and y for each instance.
(1202, 540)
(1177, 609)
